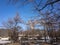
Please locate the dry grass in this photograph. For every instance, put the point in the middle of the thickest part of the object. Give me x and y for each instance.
(45, 44)
(14, 44)
(29, 44)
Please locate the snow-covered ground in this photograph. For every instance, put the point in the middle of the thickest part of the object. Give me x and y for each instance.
(4, 42)
(6, 39)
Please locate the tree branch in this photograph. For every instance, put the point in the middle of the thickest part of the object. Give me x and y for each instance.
(50, 3)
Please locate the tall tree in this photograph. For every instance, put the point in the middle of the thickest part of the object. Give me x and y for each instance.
(14, 27)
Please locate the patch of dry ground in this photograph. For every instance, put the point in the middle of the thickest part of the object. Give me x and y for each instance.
(30, 44)
(14, 44)
(45, 44)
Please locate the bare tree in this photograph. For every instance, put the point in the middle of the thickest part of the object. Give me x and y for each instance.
(14, 27)
(49, 22)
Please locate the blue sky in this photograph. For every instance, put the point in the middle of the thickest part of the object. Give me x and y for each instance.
(25, 12)
(9, 11)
